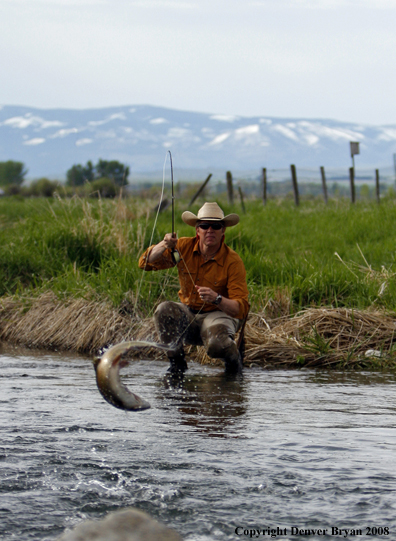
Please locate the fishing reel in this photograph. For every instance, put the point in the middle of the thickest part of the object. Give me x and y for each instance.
(176, 257)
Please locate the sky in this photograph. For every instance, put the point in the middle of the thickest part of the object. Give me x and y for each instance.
(333, 59)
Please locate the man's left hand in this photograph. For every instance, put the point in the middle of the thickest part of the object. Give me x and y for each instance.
(206, 294)
(228, 306)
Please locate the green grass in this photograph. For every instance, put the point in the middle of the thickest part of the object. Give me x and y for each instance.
(80, 248)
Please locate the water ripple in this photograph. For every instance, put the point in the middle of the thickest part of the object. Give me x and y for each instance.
(299, 448)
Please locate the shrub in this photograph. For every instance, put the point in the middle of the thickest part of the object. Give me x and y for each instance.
(105, 187)
(43, 187)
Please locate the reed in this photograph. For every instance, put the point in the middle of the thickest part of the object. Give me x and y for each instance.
(69, 277)
(316, 337)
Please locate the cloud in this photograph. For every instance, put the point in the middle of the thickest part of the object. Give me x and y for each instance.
(35, 141)
(325, 4)
(315, 58)
(55, 3)
(174, 4)
(85, 141)
(148, 4)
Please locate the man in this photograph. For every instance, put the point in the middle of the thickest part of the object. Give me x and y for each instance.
(213, 290)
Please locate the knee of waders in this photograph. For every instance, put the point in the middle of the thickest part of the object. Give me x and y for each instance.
(165, 309)
(218, 342)
(170, 322)
(167, 315)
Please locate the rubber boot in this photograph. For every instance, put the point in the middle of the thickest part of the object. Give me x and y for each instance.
(234, 365)
(178, 363)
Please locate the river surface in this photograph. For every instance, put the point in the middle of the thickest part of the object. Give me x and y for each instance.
(214, 458)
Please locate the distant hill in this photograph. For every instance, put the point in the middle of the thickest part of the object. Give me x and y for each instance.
(50, 141)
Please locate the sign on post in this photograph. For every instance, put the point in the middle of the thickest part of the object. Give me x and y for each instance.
(354, 148)
(394, 165)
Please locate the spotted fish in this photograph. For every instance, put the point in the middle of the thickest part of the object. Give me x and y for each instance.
(107, 369)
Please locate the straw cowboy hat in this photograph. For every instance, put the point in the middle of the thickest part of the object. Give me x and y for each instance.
(210, 212)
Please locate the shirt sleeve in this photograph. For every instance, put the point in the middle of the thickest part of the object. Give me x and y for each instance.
(237, 287)
(164, 262)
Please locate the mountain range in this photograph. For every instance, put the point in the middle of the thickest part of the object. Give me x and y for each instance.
(50, 141)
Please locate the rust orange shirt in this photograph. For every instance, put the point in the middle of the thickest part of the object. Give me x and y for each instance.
(224, 273)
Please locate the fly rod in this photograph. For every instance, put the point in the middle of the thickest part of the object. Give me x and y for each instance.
(175, 254)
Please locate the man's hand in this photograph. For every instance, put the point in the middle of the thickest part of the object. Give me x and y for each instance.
(227, 306)
(169, 243)
(206, 294)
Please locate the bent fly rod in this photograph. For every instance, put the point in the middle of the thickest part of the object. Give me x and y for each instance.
(174, 253)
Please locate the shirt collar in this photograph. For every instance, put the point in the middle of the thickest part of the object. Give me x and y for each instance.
(219, 257)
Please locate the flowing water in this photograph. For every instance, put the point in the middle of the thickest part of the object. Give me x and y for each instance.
(277, 452)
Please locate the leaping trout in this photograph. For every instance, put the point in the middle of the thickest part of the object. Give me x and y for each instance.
(107, 369)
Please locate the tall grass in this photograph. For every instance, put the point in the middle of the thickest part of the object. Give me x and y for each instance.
(76, 248)
(89, 248)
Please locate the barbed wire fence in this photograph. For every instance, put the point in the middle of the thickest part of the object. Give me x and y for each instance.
(307, 182)
(285, 182)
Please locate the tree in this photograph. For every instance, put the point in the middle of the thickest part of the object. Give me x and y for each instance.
(114, 170)
(79, 175)
(12, 173)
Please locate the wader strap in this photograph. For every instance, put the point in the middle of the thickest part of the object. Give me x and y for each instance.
(241, 337)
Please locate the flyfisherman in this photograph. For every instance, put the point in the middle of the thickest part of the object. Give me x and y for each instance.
(213, 290)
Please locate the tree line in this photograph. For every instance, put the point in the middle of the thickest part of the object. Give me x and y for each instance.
(106, 178)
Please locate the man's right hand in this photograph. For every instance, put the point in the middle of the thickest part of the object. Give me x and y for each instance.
(170, 241)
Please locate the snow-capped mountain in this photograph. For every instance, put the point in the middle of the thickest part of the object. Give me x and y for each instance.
(50, 141)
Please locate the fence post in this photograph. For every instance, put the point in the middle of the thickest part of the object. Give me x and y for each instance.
(200, 190)
(377, 185)
(394, 165)
(230, 189)
(242, 201)
(264, 177)
(322, 172)
(352, 182)
(295, 185)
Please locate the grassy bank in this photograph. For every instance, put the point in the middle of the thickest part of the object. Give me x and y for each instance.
(331, 256)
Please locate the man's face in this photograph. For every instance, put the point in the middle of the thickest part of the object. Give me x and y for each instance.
(209, 234)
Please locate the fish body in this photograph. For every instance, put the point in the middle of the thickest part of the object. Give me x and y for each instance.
(108, 380)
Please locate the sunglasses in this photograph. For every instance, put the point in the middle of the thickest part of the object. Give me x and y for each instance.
(216, 226)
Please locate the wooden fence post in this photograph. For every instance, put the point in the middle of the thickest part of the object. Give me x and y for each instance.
(295, 185)
(352, 182)
(324, 186)
(264, 177)
(242, 201)
(200, 190)
(377, 185)
(230, 188)
(165, 203)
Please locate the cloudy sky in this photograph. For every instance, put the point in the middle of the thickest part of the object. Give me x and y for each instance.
(287, 58)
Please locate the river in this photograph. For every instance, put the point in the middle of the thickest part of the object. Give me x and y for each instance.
(281, 453)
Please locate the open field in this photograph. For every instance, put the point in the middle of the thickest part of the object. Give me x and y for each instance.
(69, 276)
